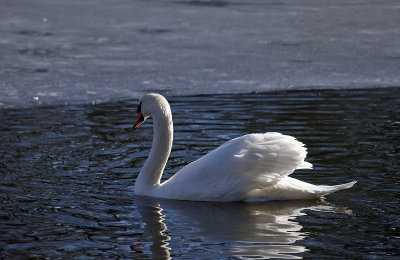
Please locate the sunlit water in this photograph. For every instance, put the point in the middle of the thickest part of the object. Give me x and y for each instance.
(67, 175)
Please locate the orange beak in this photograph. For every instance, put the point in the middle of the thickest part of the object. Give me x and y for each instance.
(139, 120)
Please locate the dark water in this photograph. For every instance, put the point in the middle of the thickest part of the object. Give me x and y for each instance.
(67, 175)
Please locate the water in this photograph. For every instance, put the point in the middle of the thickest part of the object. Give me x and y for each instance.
(67, 175)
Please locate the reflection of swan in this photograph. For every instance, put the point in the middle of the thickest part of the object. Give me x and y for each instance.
(155, 226)
(251, 167)
(267, 230)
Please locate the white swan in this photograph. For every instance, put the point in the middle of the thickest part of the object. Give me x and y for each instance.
(253, 167)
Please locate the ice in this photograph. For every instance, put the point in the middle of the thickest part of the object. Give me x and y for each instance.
(80, 51)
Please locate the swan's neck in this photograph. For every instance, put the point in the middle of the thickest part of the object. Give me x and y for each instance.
(150, 175)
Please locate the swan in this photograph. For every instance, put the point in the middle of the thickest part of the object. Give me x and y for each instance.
(253, 167)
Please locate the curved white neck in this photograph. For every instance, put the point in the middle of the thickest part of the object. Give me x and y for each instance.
(153, 168)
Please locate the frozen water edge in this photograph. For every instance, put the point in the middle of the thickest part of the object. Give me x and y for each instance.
(63, 52)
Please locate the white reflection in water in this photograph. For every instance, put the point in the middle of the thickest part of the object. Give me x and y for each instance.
(267, 230)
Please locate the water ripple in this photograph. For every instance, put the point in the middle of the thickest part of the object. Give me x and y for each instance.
(67, 175)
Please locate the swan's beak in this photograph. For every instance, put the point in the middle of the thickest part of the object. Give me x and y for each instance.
(139, 121)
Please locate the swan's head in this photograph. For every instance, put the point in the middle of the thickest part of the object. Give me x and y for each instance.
(151, 105)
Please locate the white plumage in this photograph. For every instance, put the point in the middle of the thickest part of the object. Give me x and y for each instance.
(253, 167)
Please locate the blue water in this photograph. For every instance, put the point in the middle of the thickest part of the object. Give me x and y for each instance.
(67, 176)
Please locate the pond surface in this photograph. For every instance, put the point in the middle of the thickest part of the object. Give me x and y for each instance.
(67, 176)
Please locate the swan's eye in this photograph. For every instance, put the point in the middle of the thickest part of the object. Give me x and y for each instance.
(139, 108)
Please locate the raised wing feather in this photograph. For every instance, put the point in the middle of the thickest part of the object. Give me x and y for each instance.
(270, 156)
(240, 165)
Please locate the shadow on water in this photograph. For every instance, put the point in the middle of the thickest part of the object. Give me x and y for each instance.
(67, 175)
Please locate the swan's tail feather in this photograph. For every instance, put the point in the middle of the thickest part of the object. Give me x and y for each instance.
(293, 189)
(325, 190)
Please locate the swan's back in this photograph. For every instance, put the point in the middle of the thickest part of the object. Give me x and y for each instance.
(236, 169)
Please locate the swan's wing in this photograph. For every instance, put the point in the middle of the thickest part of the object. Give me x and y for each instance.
(240, 165)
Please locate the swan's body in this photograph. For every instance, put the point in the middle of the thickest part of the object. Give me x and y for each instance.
(253, 167)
